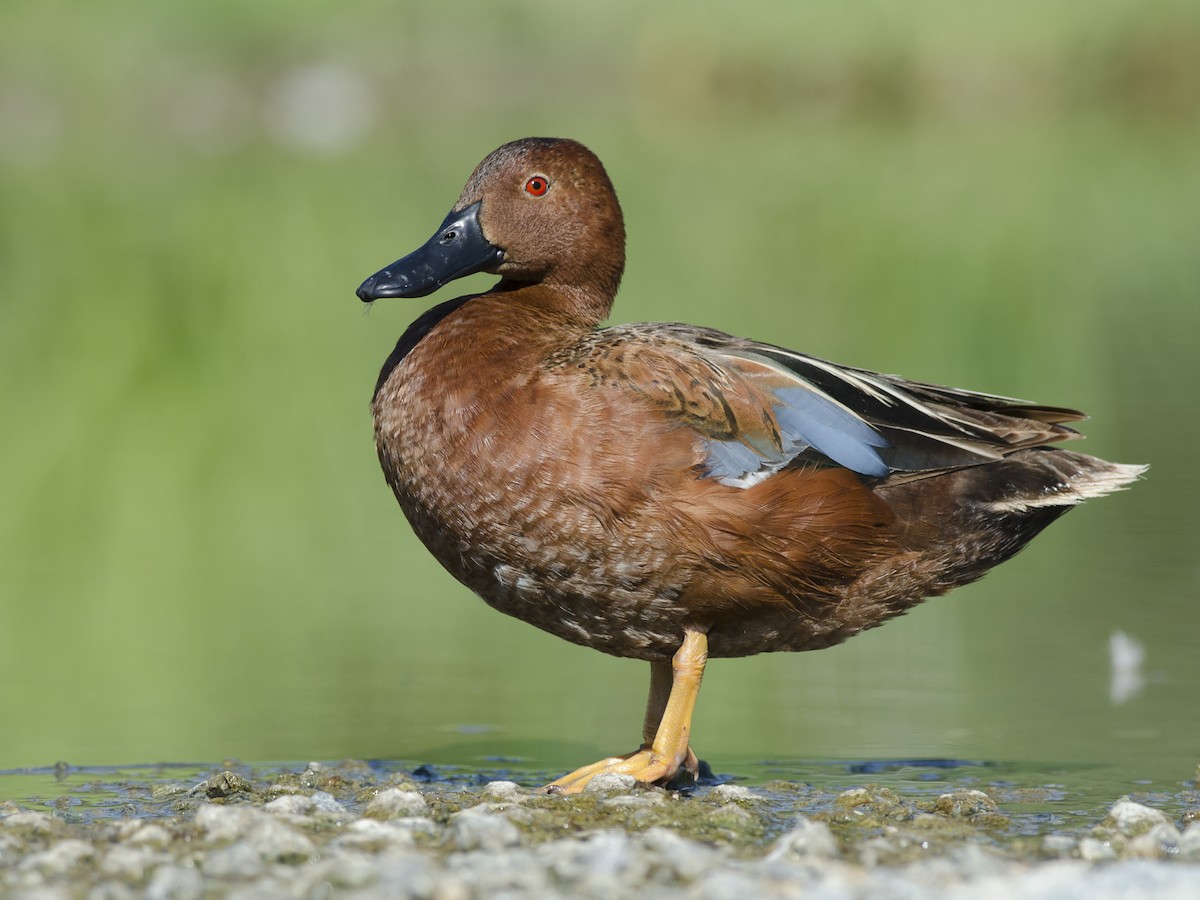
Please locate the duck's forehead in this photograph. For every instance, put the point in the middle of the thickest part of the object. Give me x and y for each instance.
(512, 162)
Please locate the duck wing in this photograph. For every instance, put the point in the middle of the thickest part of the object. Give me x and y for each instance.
(760, 408)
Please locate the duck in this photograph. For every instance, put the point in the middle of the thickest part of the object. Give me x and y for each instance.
(669, 492)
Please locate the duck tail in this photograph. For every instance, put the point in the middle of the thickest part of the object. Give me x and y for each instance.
(1058, 478)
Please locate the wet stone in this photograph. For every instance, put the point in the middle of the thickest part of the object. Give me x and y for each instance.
(733, 793)
(869, 805)
(508, 791)
(371, 835)
(394, 803)
(634, 801)
(167, 791)
(1063, 845)
(1160, 842)
(1132, 819)
(224, 823)
(597, 862)
(1095, 850)
(686, 860)
(149, 836)
(224, 785)
(611, 783)
(58, 859)
(965, 804)
(178, 882)
(1189, 842)
(111, 890)
(31, 823)
(235, 861)
(474, 829)
(130, 863)
(291, 805)
(806, 839)
(324, 802)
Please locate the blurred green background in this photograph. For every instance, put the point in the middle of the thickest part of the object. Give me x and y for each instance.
(199, 558)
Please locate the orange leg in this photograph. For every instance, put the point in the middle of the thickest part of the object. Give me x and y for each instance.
(667, 728)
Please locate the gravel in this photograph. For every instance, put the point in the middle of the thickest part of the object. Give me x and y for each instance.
(350, 831)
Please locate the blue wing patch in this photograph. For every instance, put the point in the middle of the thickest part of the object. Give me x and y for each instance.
(815, 421)
(806, 420)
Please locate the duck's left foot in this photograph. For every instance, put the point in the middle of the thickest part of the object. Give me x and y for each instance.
(646, 764)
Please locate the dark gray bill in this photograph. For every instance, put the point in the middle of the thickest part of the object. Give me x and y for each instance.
(457, 249)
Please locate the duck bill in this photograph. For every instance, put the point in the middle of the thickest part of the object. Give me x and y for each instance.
(458, 248)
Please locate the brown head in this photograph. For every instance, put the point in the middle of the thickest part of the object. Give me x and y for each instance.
(538, 211)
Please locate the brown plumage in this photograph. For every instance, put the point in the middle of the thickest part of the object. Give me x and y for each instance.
(668, 492)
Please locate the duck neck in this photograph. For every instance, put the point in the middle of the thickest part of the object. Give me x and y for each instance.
(586, 300)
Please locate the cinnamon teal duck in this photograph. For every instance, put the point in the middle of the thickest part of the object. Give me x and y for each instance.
(669, 492)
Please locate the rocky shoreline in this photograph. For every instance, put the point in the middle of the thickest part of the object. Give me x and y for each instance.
(347, 831)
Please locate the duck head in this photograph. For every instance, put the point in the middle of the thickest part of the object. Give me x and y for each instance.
(538, 211)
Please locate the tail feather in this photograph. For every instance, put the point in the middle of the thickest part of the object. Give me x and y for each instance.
(1062, 478)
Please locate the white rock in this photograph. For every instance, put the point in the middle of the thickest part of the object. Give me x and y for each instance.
(37, 822)
(290, 805)
(1062, 844)
(1160, 842)
(596, 864)
(1094, 850)
(111, 890)
(150, 835)
(58, 858)
(324, 802)
(688, 859)
(610, 782)
(393, 803)
(1189, 842)
(224, 823)
(235, 861)
(175, 883)
(1133, 818)
(734, 793)
(130, 863)
(504, 790)
(275, 841)
(474, 829)
(371, 835)
(808, 839)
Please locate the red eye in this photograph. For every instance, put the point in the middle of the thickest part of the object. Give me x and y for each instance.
(537, 185)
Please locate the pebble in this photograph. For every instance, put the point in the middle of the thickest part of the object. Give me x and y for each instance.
(323, 801)
(177, 882)
(58, 859)
(965, 804)
(734, 793)
(290, 805)
(393, 803)
(475, 829)
(1131, 818)
(1095, 850)
(1160, 842)
(729, 842)
(150, 836)
(610, 783)
(807, 839)
(1189, 842)
(508, 791)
